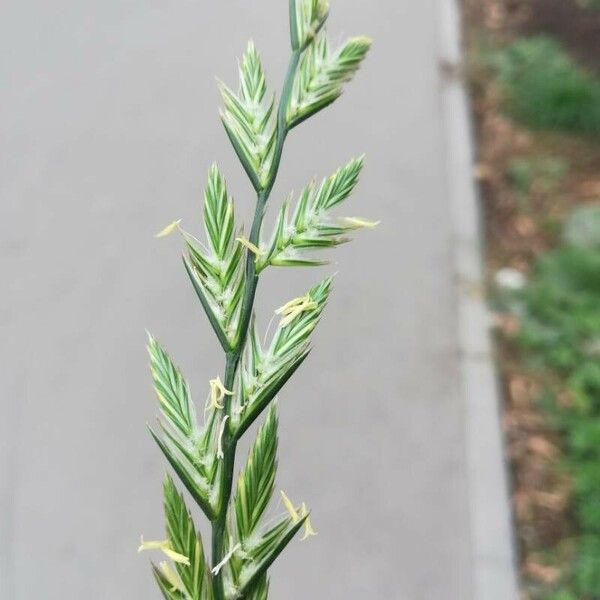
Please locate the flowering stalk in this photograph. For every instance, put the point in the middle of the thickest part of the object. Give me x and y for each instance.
(224, 273)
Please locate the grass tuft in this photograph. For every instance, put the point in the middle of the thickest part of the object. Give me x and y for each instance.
(561, 334)
(546, 89)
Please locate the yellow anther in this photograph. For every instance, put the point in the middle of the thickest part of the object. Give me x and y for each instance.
(358, 223)
(308, 528)
(165, 547)
(217, 392)
(290, 507)
(290, 305)
(295, 308)
(169, 229)
(248, 244)
(171, 576)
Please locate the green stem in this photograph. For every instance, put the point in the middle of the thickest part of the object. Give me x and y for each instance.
(229, 444)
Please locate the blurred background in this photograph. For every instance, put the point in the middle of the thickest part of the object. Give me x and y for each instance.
(109, 125)
(534, 70)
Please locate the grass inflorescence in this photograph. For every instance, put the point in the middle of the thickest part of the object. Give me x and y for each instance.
(223, 266)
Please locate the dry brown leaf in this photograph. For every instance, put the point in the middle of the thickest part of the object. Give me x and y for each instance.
(481, 171)
(525, 226)
(544, 573)
(519, 390)
(506, 323)
(564, 400)
(590, 188)
(554, 501)
(522, 504)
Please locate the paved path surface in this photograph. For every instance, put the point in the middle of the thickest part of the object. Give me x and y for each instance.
(109, 124)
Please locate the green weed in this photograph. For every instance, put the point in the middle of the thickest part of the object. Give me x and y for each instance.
(561, 333)
(545, 88)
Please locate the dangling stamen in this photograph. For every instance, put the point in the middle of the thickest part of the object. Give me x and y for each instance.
(308, 528)
(358, 223)
(290, 507)
(169, 229)
(220, 453)
(226, 559)
(165, 547)
(217, 393)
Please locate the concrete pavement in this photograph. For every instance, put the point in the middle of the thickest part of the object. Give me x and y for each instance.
(109, 126)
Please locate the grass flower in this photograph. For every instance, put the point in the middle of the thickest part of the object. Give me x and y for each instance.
(224, 270)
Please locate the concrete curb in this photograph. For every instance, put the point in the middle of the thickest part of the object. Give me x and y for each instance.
(493, 558)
